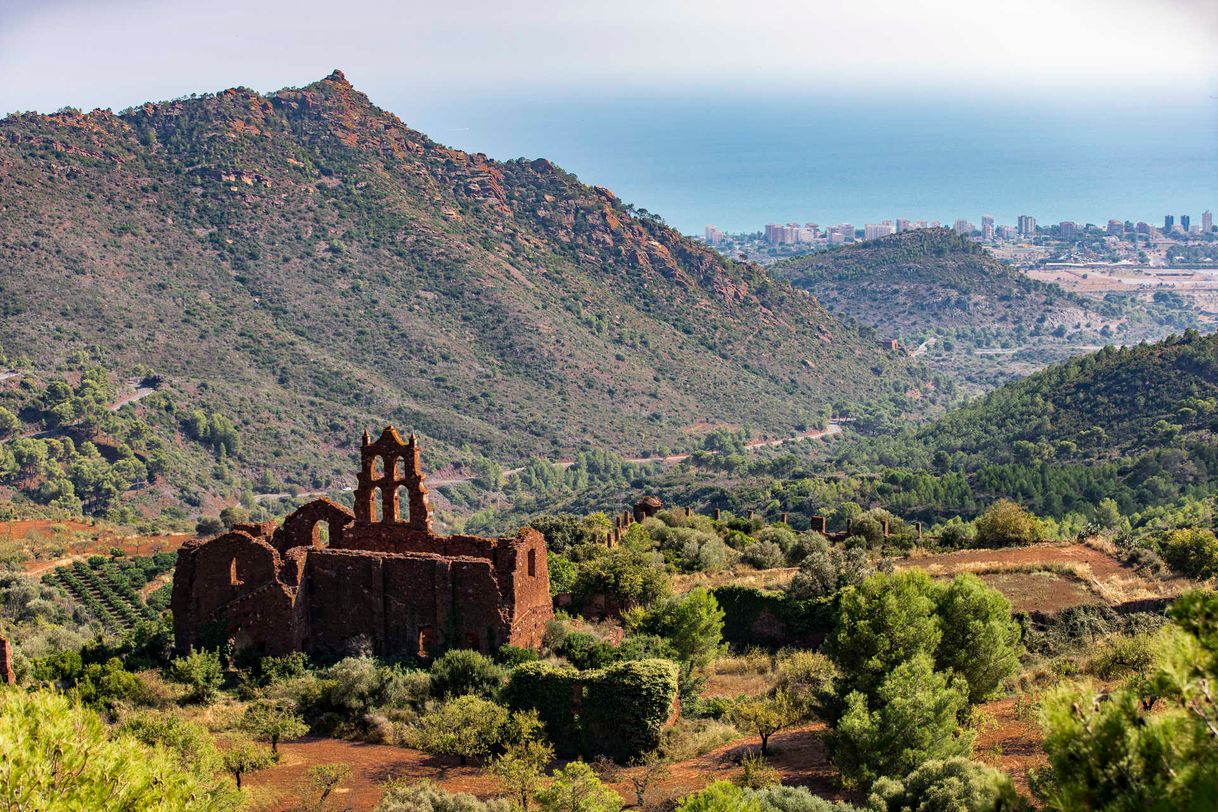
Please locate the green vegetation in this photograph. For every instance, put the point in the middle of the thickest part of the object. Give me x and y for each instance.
(934, 284)
(255, 251)
(58, 755)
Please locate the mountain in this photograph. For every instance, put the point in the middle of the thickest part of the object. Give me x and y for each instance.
(304, 265)
(987, 322)
(1103, 406)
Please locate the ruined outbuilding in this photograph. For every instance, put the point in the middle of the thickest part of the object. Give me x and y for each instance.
(377, 579)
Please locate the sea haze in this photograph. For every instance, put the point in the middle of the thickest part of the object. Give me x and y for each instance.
(741, 162)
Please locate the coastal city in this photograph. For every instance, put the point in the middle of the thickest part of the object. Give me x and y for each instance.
(1179, 242)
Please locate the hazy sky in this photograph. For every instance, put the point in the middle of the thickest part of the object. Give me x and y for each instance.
(115, 53)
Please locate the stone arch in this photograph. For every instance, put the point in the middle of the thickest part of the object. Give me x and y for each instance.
(300, 529)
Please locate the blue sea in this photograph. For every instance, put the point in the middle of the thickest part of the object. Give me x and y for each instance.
(741, 161)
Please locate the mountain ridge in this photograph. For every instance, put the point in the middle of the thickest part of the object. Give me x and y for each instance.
(307, 264)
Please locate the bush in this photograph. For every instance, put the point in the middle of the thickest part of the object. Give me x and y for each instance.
(624, 707)
(201, 670)
(777, 798)
(721, 796)
(622, 575)
(764, 555)
(576, 788)
(466, 727)
(59, 755)
(914, 717)
(190, 742)
(952, 785)
(464, 671)
(1119, 656)
(827, 569)
(1006, 524)
(425, 796)
(1192, 553)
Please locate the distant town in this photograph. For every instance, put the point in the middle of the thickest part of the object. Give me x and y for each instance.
(1179, 242)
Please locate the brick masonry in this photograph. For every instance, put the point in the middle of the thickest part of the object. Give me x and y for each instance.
(382, 580)
(7, 677)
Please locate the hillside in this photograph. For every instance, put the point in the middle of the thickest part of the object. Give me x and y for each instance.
(1101, 406)
(986, 321)
(304, 265)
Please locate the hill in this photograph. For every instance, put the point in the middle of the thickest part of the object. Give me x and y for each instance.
(1098, 407)
(986, 322)
(303, 265)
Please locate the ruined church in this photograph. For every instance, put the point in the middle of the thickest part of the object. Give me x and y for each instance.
(379, 579)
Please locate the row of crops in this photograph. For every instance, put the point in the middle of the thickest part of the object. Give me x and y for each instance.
(109, 587)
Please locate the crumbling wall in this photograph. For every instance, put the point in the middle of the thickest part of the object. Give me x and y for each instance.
(7, 677)
(383, 582)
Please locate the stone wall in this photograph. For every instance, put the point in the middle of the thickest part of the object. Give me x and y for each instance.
(383, 582)
(7, 677)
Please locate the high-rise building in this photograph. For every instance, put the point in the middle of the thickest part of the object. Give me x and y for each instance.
(713, 236)
(1185, 220)
(1007, 233)
(987, 227)
(903, 225)
(1207, 222)
(773, 233)
(1067, 229)
(1142, 227)
(963, 227)
(873, 231)
(1116, 227)
(1169, 222)
(1027, 225)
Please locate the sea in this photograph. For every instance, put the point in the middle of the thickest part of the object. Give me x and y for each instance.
(741, 160)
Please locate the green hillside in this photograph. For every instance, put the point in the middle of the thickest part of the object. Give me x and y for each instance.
(986, 322)
(304, 265)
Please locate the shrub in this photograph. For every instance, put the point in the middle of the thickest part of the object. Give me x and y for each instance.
(1118, 656)
(912, 718)
(201, 670)
(189, 742)
(59, 755)
(827, 569)
(425, 796)
(466, 727)
(720, 796)
(1006, 524)
(1193, 553)
(764, 555)
(956, 533)
(626, 705)
(465, 671)
(805, 677)
(623, 575)
(777, 798)
(576, 788)
(951, 785)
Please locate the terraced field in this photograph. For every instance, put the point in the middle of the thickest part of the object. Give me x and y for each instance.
(109, 588)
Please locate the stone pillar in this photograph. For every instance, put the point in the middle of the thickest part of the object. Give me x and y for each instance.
(819, 524)
(850, 526)
(918, 529)
(783, 518)
(717, 514)
(885, 528)
(7, 677)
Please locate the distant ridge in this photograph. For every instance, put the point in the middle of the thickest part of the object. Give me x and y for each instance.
(304, 263)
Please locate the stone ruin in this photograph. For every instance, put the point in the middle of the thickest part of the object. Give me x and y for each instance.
(7, 677)
(380, 579)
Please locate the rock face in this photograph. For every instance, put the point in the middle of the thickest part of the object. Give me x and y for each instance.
(382, 580)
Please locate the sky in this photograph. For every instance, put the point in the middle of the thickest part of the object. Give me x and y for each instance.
(512, 78)
(116, 53)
